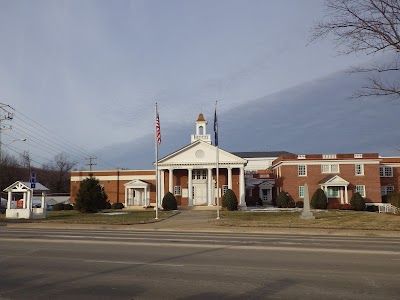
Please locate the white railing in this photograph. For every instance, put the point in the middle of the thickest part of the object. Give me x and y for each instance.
(384, 207)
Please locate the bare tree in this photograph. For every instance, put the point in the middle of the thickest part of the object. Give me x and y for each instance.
(367, 26)
(59, 172)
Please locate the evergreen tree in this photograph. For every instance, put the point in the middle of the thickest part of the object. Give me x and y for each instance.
(91, 196)
(229, 200)
(357, 202)
(282, 200)
(319, 200)
(169, 202)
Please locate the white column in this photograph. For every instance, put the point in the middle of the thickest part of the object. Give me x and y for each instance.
(190, 188)
(162, 185)
(260, 193)
(209, 187)
(171, 174)
(229, 178)
(341, 196)
(43, 200)
(241, 188)
(145, 196)
(346, 198)
(9, 200)
(126, 197)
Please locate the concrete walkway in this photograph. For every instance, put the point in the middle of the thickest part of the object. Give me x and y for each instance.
(199, 221)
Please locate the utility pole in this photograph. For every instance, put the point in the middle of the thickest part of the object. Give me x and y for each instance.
(90, 164)
(5, 115)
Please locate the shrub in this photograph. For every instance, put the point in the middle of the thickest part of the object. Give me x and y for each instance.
(58, 206)
(346, 207)
(259, 202)
(250, 202)
(372, 208)
(282, 200)
(229, 200)
(91, 196)
(394, 199)
(169, 202)
(107, 205)
(319, 200)
(291, 204)
(117, 205)
(357, 202)
(300, 204)
(68, 207)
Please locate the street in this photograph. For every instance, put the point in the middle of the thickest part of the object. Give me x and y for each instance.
(113, 264)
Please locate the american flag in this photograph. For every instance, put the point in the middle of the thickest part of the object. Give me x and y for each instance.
(158, 131)
(216, 126)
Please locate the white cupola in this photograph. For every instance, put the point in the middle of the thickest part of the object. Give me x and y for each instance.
(201, 131)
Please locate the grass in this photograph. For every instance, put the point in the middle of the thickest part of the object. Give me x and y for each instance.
(74, 217)
(325, 219)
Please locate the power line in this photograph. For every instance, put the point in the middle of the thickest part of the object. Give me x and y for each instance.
(53, 140)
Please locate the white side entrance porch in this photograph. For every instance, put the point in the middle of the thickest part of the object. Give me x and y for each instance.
(336, 187)
(26, 211)
(137, 193)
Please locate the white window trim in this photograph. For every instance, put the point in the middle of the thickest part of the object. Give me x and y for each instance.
(301, 191)
(362, 169)
(364, 194)
(305, 170)
(384, 189)
(330, 171)
(177, 190)
(331, 188)
(224, 188)
(383, 169)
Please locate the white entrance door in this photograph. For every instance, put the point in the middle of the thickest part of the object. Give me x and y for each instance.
(137, 197)
(200, 194)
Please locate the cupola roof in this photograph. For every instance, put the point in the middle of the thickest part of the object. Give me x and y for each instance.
(200, 118)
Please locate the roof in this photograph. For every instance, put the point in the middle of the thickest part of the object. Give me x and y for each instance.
(260, 154)
(200, 118)
(22, 185)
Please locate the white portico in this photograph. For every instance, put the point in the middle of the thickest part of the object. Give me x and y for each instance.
(190, 173)
(26, 211)
(137, 192)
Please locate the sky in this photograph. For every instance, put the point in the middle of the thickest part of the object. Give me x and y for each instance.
(83, 76)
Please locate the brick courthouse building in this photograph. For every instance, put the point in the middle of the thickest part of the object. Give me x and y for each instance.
(190, 174)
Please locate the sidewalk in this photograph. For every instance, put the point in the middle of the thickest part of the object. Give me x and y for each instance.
(199, 221)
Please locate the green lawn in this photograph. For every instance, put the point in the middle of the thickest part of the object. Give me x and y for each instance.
(333, 219)
(74, 217)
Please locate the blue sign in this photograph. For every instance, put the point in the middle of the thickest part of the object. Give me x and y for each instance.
(33, 177)
(33, 185)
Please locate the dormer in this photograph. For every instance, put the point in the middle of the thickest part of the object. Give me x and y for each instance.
(201, 131)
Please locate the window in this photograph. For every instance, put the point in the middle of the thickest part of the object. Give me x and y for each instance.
(333, 192)
(360, 189)
(358, 156)
(199, 174)
(359, 169)
(224, 189)
(301, 156)
(177, 190)
(329, 168)
(328, 156)
(301, 191)
(302, 170)
(385, 190)
(386, 171)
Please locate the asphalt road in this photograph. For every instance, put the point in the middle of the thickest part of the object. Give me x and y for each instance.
(89, 264)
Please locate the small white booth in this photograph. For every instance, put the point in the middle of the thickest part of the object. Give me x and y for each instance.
(137, 193)
(22, 208)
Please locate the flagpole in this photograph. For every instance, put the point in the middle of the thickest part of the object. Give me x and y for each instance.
(217, 153)
(156, 146)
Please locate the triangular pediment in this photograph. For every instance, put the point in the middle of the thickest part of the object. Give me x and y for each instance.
(136, 184)
(200, 152)
(334, 181)
(20, 186)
